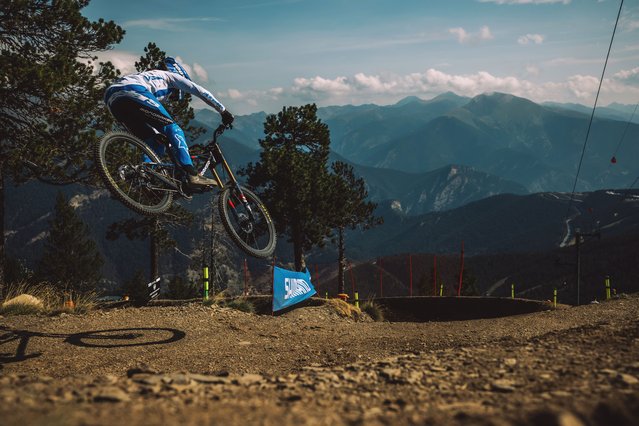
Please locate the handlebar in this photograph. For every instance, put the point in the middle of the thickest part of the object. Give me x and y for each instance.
(220, 129)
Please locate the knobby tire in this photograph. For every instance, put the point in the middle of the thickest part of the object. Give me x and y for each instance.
(261, 241)
(151, 203)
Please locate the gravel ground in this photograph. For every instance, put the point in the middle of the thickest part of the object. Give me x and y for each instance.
(210, 365)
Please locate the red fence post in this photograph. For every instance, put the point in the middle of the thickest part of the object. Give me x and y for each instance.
(435, 275)
(245, 277)
(461, 270)
(410, 272)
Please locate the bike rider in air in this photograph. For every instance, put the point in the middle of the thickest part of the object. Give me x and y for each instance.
(134, 100)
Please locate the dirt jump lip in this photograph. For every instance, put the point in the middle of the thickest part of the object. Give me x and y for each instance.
(429, 308)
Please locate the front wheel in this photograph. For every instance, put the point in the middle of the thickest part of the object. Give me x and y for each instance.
(247, 221)
(120, 159)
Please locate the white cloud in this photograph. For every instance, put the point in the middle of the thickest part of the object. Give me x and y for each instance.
(124, 61)
(234, 94)
(465, 37)
(200, 72)
(319, 84)
(583, 86)
(628, 76)
(533, 70)
(531, 38)
(167, 24)
(629, 23)
(362, 87)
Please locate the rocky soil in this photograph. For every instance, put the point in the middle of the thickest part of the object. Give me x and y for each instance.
(210, 365)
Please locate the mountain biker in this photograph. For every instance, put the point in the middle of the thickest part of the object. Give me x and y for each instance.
(134, 100)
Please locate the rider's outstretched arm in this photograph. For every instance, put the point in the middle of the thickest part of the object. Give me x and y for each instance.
(187, 85)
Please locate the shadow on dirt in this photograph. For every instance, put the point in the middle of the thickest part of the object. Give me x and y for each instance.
(113, 338)
(426, 308)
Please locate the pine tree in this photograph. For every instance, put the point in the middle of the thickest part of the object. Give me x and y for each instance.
(292, 177)
(348, 209)
(180, 288)
(469, 284)
(136, 288)
(71, 259)
(155, 229)
(51, 92)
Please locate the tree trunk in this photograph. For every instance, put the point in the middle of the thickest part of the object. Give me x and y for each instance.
(341, 262)
(2, 285)
(154, 252)
(300, 263)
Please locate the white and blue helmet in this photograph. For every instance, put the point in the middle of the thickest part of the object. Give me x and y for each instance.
(174, 66)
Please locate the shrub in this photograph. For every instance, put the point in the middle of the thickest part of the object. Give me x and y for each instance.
(240, 304)
(375, 311)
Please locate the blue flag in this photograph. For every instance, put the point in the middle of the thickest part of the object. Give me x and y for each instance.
(290, 287)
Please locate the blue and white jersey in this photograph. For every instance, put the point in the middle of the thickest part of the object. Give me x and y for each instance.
(160, 84)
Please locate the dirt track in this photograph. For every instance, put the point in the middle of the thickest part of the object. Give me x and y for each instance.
(197, 365)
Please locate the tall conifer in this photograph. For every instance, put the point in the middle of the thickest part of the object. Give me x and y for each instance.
(292, 177)
(51, 92)
(71, 259)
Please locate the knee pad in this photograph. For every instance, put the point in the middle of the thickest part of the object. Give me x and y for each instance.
(178, 142)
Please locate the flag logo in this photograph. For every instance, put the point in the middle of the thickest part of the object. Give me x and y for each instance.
(290, 287)
(295, 287)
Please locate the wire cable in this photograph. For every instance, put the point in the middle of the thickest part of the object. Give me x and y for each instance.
(592, 115)
(614, 155)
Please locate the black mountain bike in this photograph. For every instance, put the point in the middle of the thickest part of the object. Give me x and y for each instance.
(137, 177)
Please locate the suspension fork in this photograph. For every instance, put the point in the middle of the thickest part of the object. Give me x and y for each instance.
(218, 157)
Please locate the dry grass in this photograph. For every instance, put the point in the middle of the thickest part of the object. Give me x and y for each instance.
(344, 309)
(375, 311)
(25, 298)
(223, 299)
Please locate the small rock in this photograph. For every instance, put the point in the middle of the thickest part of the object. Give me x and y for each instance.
(107, 379)
(568, 419)
(180, 379)
(142, 369)
(211, 380)
(150, 380)
(391, 374)
(111, 394)
(609, 372)
(510, 362)
(249, 379)
(627, 379)
(503, 385)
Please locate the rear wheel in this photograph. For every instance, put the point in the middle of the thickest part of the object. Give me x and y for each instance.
(119, 159)
(251, 229)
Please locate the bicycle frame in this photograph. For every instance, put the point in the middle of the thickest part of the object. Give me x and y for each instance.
(146, 184)
(212, 158)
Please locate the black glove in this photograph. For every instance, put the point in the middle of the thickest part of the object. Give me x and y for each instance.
(227, 118)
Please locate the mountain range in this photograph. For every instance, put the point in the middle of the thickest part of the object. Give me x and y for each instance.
(536, 146)
(494, 171)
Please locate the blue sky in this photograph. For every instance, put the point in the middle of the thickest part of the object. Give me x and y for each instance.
(259, 55)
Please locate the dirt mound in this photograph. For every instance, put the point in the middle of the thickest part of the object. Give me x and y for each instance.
(195, 365)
